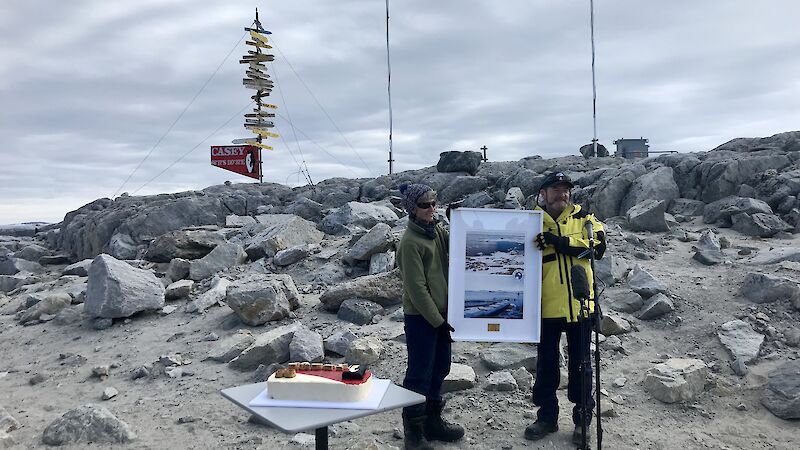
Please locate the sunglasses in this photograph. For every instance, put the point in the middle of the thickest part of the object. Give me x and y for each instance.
(426, 205)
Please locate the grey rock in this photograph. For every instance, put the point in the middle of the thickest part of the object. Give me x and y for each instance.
(377, 240)
(460, 378)
(776, 255)
(676, 380)
(627, 302)
(722, 210)
(461, 187)
(109, 393)
(234, 221)
(281, 231)
(612, 325)
(215, 294)
(658, 184)
(501, 381)
(782, 393)
(358, 311)
(269, 347)
(10, 265)
(763, 288)
(708, 249)
(178, 269)
(7, 422)
(381, 262)
(69, 316)
(741, 340)
(478, 200)
(291, 255)
(31, 252)
(459, 162)
(611, 269)
(88, 423)
(656, 306)
(723, 177)
(80, 268)
(51, 305)
(523, 378)
(514, 199)
(115, 289)
(340, 342)
(232, 346)
(140, 372)
(365, 215)
(10, 282)
(644, 284)
(305, 208)
(759, 224)
(306, 345)
(178, 289)
(54, 259)
(686, 207)
(102, 323)
(365, 350)
(648, 216)
(223, 256)
(509, 356)
(37, 379)
(260, 298)
(263, 372)
(739, 367)
(384, 289)
(183, 244)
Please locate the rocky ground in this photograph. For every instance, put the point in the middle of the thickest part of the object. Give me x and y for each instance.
(699, 348)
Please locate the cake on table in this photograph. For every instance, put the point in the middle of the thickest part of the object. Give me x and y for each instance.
(320, 382)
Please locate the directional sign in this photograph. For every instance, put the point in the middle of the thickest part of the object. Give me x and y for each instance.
(263, 81)
(259, 144)
(259, 37)
(241, 140)
(267, 123)
(256, 74)
(257, 66)
(251, 125)
(258, 87)
(257, 44)
(265, 133)
(258, 57)
(242, 159)
(260, 114)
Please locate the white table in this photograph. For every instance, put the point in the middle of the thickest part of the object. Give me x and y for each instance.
(292, 420)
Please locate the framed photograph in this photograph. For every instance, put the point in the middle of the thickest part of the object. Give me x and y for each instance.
(495, 275)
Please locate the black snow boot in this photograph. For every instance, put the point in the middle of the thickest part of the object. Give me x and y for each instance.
(414, 433)
(436, 428)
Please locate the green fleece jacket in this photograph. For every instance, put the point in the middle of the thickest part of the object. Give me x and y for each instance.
(423, 266)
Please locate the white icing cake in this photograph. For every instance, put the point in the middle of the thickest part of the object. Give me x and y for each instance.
(319, 385)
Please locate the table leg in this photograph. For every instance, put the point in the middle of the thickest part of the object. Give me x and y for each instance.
(321, 438)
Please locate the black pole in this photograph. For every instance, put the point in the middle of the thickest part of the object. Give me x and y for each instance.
(598, 316)
(484, 148)
(584, 362)
(321, 438)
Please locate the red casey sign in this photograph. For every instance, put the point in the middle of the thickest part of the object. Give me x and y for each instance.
(242, 159)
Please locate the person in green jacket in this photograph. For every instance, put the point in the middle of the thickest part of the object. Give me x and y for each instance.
(422, 257)
(564, 244)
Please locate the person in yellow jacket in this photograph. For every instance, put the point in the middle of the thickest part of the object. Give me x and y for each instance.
(564, 243)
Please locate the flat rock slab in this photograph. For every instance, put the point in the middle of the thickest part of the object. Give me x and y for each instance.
(782, 393)
(88, 423)
(741, 340)
(676, 380)
(509, 356)
(461, 377)
(763, 288)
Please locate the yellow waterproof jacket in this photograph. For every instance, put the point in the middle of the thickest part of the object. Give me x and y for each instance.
(557, 298)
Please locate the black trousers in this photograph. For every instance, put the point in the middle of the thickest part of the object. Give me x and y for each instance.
(547, 373)
(429, 354)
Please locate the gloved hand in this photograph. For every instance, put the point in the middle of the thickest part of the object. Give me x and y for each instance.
(452, 206)
(542, 240)
(446, 329)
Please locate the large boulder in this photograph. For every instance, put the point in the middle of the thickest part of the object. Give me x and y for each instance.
(31, 252)
(270, 347)
(10, 265)
(720, 178)
(721, 211)
(648, 216)
(282, 231)
(365, 350)
(306, 345)
(377, 240)
(365, 215)
(222, 257)
(676, 380)
(741, 340)
(708, 250)
(115, 289)
(461, 187)
(656, 306)
(459, 162)
(782, 393)
(87, 424)
(608, 196)
(686, 207)
(385, 289)
(656, 185)
(764, 288)
(644, 284)
(186, 244)
(306, 208)
(759, 224)
(261, 298)
(358, 311)
(611, 269)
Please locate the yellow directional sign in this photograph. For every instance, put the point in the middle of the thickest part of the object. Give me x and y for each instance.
(259, 37)
(257, 44)
(265, 133)
(259, 144)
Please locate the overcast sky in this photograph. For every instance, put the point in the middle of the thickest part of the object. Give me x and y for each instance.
(88, 87)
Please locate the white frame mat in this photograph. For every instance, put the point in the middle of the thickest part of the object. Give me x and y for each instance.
(484, 300)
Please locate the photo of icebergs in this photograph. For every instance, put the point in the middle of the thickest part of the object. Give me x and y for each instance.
(493, 304)
(495, 254)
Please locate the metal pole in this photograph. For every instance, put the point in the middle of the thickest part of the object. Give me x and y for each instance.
(484, 148)
(389, 88)
(594, 87)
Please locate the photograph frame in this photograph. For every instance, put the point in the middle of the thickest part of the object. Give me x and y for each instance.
(493, 263)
